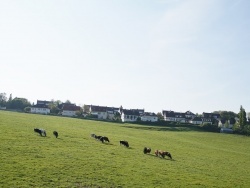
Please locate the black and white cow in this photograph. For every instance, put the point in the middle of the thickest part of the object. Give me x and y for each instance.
(146, 150)
(42, 132)
(125, 143)
(104, 139)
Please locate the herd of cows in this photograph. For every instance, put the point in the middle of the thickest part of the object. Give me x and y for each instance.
(146, 150)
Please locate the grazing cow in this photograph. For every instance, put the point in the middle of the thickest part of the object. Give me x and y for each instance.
(104, 138)
(146, 150)
(166, 153)
(42, 132)
(55, 133)
(98, 137)
(125, 143)
(162, 154)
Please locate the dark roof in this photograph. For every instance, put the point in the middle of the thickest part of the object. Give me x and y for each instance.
(131, 112)
(112, 109)
(189, 113)
(149, 114)
(65, 104)
(43, 102)
(139, 110)
(71, 108)
(173, 114)
(94, 108)
(40, 106)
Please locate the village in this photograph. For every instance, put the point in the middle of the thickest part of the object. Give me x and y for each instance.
(132, 115)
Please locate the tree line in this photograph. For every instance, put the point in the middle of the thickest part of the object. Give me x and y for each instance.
(21, 104)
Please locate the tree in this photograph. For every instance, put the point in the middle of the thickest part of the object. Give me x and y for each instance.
(226, 114)
(160, 116)
(19, 103)
(3, 99)
(86, 108)
(243, 118)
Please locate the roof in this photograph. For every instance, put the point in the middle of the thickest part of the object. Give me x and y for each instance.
(71, 108)
(40, 106)
(189, 113)
(173, 114)
(149, 114)
(94, 108)
(43, 102)
(131, 112)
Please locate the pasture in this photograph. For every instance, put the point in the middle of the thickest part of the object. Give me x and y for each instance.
(75, 159)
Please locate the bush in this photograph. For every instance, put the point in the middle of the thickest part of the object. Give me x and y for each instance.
(210, 127)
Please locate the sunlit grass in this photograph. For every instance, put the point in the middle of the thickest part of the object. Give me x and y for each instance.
(75, 159)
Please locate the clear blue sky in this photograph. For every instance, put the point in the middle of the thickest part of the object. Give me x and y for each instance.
(158, 55)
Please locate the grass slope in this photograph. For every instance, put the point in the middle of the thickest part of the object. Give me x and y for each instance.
(75, 159)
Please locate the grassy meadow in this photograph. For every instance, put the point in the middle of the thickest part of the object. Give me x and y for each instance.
(74, 159)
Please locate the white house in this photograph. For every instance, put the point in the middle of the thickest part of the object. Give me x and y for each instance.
(40, 109)
(111, 112)
(189, 115)
(174, 116)
(99, 111)
(148, 116)
(196, 121)
(129, 115)
(70, 110)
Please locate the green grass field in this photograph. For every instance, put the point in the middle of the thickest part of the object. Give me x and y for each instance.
(201, 159)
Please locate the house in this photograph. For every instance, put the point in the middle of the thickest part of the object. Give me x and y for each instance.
(189, 115)
(148, 116)
(141, 111)
(40, 102)
(99, 111)
(207, 120)
(70, 110)
(196, 121)
(129, 115)
(174, 116)
(41, 107)
(111, 112)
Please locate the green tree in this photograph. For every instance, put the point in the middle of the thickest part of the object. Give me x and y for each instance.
(3, 99)
(160, 116)
(243, 118)
(18, 103)
(226, 114)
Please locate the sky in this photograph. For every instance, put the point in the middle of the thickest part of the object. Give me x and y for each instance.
(155, 55)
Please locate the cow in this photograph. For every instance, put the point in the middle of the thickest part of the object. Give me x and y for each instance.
(55, 133)
(162, 154)
(104, 138)
(98, 137)
(166, 153)
(146, 150)
(42, 132)
(157, 153)
(125, 143)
